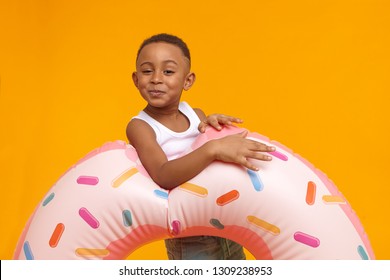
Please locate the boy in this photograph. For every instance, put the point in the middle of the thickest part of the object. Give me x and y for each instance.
(167, 127)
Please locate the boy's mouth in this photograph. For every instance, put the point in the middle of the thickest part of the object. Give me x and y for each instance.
(156, 93)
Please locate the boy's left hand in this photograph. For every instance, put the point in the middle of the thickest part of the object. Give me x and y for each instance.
(216, 121)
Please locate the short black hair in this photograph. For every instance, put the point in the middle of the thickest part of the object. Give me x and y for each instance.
(167, 38)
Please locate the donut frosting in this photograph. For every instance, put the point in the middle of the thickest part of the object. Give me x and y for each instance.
(106, 206)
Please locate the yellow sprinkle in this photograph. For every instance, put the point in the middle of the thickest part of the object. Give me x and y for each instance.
(333, 199)
(123, 177)
(194, 189)
(92, 252)
(264, 225)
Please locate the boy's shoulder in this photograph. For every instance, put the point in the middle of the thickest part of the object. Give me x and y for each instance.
(136, 123)
(138, 127)
(200, 113)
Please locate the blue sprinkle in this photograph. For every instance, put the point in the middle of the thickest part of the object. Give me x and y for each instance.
(48, 199)
(127, 220)
(27, 251)
(161, 194)
(362, 253)
(256, 181)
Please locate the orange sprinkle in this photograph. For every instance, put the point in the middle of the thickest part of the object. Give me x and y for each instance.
(56, 236)
(311, 193)
(228, 197)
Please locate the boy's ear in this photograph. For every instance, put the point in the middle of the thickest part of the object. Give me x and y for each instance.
(190, 80)
(135, 79)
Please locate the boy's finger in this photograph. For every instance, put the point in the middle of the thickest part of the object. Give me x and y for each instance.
(215, 124)
(236, 120)
(202, 126)
(251, 166)
(243, 133)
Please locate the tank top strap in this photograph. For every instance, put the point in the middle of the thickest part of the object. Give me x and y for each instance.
(162, 132)
(155, 125)
(189, 112)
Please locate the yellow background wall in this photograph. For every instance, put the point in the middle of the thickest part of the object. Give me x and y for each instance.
(313, 75)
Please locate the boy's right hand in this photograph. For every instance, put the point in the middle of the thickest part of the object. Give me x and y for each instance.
(237, 149)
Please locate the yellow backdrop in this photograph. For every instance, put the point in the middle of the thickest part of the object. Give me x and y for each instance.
(313, 75)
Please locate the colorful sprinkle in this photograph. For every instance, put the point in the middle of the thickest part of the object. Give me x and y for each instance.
(194, 189)
(176, 227)
(161, 194)
(27, 251)
(307, 239)
(362, 253)
(279, 155)
(228, 197)
(87, 180)
(256, 181)
(48, 199)
(311, 193)
(217, 224)
(333, 199)
(89, 218)
(56, 235)
(92, 252)
(123, 177)
(264, 225)
(127, 219)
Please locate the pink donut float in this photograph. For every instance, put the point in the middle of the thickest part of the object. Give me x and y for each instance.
(106, 206)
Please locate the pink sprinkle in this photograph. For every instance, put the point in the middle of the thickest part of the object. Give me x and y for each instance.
(307, 239)
(89, 218)
(279, 155)
(175, 227)
(88, 180)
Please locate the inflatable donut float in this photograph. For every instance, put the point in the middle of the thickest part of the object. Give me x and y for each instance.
(106, 206)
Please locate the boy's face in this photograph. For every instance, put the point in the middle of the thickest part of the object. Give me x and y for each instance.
(162, 74)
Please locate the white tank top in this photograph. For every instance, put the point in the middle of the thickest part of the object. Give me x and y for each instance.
(174, 143)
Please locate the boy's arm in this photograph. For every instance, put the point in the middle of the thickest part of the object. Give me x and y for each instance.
(170, 174)
(167, 174)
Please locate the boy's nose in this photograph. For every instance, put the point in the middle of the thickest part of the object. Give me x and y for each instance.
(157, 77)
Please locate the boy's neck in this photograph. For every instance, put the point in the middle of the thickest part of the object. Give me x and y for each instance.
(157, 113)
(172, 119)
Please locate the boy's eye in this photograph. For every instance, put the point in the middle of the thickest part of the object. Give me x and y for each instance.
(169, 72)
(146, 71)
